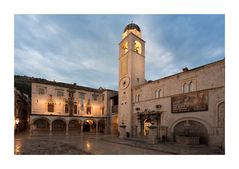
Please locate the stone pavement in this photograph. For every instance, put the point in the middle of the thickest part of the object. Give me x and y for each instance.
(99, 144)
(169, 147)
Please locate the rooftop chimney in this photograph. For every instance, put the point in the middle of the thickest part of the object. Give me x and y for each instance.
(185, 69)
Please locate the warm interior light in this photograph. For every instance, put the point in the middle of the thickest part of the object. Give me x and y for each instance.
(17, 121)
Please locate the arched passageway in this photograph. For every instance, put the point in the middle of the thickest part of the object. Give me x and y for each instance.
(74, 127)
(89, 126)
(58, 127)
(41, 126)
(191, 128)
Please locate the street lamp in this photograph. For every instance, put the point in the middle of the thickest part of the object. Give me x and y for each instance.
(17, 121)
(16, 124)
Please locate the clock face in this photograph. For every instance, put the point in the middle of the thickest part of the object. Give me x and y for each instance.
(124, 82)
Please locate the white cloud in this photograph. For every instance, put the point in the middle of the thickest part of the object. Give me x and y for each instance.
(33, 63)
(215, 52)
(160, 61)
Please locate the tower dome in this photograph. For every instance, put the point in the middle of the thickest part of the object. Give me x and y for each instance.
(132, 26)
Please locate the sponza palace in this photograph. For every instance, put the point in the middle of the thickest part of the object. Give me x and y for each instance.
(187, 107)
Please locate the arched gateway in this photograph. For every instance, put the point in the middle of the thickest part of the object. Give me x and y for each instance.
(191, 129)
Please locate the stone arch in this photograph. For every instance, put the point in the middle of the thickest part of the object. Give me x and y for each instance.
(89, 125)
(197, 127)
(40, 125)
(74, 126)
(59, 126)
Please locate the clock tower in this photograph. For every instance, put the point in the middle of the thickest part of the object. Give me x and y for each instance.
(131, 72)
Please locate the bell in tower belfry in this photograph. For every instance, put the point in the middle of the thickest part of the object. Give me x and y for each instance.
(131, 72)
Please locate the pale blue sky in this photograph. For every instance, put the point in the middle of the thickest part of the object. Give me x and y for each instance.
(83, 49)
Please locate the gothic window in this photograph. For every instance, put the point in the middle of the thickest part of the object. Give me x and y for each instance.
(59, 93)
(50, 107)
(88, 107)
(41, 91)
(82, 98)
(185, 88)
(71, 94)
(158, 93)
(138, 98)
(66, 107)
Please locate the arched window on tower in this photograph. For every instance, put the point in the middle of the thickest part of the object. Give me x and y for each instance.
(137, 47)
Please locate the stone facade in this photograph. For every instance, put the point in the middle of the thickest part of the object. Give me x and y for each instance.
(209, 78)
(64, 108)
(189, 105)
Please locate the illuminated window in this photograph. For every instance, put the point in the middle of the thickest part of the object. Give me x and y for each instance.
(137, 47)
(125, 47)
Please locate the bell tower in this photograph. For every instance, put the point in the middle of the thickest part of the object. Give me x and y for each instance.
(131, 71)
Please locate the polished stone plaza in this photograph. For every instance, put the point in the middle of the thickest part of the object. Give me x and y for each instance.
(99, 144)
